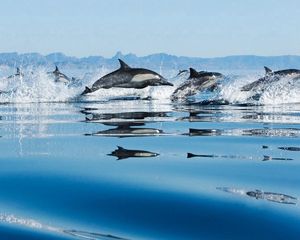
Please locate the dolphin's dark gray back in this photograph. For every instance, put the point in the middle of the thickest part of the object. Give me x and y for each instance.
(270, 77)
(124, 77)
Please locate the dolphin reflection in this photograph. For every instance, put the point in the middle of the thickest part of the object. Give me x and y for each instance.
(294, 149)
(265, 158)
(126, 130)
(258, 194)
(98, 117)
(122, 153)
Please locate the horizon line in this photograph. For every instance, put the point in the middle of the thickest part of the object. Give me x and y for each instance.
(159, 53)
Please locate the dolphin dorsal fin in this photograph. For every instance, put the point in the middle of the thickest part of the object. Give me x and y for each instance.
(123, 65)
(18, 70)
(120, 148)
(56, 69)
(193, 73)
(268, 70)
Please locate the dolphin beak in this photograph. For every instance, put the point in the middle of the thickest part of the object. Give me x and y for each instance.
(165, 82)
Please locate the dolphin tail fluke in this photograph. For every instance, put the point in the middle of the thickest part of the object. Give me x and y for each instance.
(86, 90)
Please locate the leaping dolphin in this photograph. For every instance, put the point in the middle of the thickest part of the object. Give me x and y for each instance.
(271, 77)
(59, 76)
(128, 77)
(17, 74)
(197, 81)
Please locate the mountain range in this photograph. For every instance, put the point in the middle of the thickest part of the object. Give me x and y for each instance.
(154, 61)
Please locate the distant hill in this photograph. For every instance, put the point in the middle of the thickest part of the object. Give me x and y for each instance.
(154, 61)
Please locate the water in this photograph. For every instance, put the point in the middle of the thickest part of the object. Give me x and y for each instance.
(198, 172)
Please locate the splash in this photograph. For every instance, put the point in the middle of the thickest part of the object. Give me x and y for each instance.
(36, 86)
(284, 91)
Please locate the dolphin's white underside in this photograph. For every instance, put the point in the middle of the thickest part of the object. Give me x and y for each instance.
(144, 77)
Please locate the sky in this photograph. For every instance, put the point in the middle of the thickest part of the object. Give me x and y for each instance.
(209, 28)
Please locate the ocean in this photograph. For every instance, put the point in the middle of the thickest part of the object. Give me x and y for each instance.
(120, 165)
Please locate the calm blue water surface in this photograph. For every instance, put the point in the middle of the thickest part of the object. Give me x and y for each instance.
(197, 172)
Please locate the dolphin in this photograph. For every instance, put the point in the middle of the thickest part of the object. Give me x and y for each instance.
(122, 153)
(17, 74)
(181, 72)
(128, 77)
(59, 76)
(271, 77)
(197, 81)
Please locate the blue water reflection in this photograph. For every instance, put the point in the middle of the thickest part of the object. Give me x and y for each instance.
(58, 180)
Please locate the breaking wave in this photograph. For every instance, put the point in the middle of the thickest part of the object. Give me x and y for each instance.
(38, 86)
